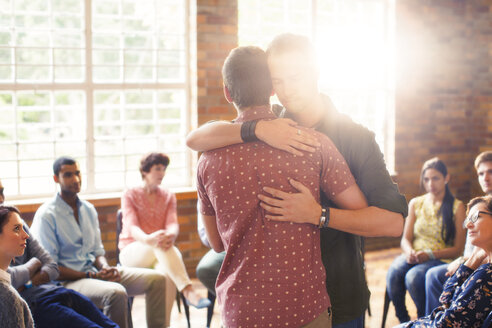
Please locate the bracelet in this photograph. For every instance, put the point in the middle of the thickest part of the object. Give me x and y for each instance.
(248, 131)
(89, 275)
(322, 218)
(325, 225)
(430, 254)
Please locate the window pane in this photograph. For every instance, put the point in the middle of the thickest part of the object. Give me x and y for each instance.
(354, 41)
(110, 180)
(38, 185)
(33, 151)
(43, 51)
(8, 169)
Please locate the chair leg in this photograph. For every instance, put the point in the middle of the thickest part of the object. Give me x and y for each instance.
(178, 301)
(187, 309)
(385, 308)
(210, 309)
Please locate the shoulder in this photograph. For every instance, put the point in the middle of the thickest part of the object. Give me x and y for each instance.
(458, 204)
(88, 205)
(132, 192)
(417, 202)
(167, 194)
(48, 207)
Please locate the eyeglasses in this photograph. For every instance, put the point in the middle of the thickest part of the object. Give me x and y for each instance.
(474, 217)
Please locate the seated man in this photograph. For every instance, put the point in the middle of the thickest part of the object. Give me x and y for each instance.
(68, 228)
(51, 305)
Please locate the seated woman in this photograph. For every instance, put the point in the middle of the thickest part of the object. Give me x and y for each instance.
(14, 311)
(433, 234)
(466, 299)
(150, 227)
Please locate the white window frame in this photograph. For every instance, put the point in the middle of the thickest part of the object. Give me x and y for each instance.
(385, 131)
(89, 87)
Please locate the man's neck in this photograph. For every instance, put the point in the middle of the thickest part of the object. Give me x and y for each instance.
(69, 198)
(245, 109)
(312, 114)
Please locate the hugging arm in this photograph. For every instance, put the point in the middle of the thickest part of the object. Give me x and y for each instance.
(279, 133)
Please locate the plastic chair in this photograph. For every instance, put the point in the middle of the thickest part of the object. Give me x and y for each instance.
(119, 227)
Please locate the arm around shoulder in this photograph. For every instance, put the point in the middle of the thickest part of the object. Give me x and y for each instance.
(214, 135)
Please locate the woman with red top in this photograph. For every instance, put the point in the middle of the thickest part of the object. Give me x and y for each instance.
(150, 227)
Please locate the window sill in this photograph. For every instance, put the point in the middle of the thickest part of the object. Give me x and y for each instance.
(98, 200)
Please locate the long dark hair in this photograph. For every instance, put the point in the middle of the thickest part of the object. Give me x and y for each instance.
(448, 231)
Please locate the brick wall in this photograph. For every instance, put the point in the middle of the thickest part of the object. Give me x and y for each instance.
(216, 36)
(443, 100)
(444, 90)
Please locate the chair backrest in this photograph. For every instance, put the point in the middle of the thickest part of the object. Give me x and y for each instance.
(488, 321)
(119, 227)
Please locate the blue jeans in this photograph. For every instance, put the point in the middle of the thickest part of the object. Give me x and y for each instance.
(64, 307)
(434, 284)
(357, 323)
(403, 276)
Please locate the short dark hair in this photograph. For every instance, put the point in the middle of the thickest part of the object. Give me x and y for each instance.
(60, 161)
(246, 76)
(152, 159)
(289, 42)
(5, 214)
(485, 156)
(487, 200)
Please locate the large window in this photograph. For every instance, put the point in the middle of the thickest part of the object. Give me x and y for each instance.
(355, 45)
(103, 81)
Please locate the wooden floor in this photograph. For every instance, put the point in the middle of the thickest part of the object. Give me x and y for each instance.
(377, 264)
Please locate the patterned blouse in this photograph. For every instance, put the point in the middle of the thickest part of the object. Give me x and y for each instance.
(428, 225)
(465, 302)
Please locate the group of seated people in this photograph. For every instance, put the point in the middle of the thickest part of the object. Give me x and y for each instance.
(284, 218)
(58, 265)
(446, 261)
(60, 271)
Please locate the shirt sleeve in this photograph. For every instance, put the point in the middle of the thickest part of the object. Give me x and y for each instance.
(335, 175)
(43, 228)
(367, 164)
(206, 207)
(172, 213)
(454, 282)
(130, 216)
(98, 245)
(470, 305)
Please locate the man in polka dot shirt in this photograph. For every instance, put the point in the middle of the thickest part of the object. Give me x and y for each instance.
(295, 75)
(272, 275)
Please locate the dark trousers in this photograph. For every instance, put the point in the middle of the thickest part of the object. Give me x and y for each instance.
(62, 307)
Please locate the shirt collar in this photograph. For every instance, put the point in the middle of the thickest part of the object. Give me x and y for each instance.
(255, 113)
(61, 203)
(4, 275)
